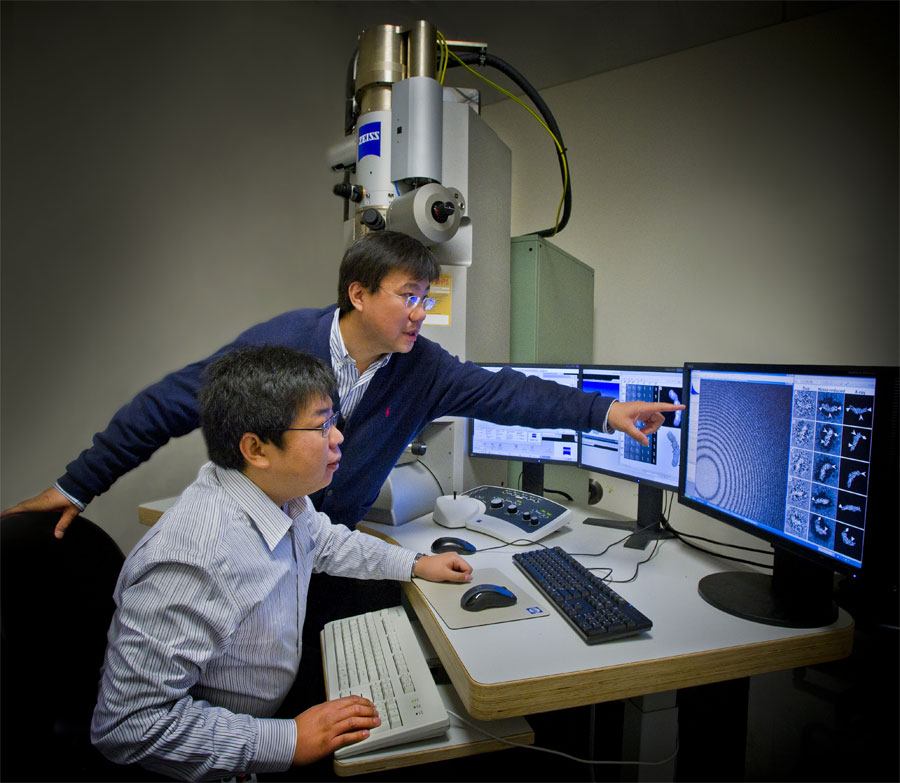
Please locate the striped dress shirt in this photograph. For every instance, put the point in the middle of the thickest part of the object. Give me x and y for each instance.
(206, 638)
(351, 385)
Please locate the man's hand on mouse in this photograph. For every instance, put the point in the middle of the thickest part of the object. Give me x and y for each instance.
(446, 567)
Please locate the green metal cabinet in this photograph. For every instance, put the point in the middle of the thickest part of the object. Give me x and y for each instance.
(551, 320)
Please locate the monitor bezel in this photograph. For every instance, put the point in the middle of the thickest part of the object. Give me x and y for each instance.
(513, 365)
(619, 474)
(776, 540)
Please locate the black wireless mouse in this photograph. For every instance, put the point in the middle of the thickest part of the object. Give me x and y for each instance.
(486, 597)
(451, 544)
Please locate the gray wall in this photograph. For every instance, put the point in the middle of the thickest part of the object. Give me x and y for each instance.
(164, 187)
(737, 200)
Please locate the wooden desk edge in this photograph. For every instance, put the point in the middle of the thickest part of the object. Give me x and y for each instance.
(574, 689)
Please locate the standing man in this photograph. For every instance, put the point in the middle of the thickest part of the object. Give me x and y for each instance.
(391, 383)
(205, 642)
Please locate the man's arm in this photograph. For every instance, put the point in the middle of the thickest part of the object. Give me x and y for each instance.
(510, 397)
(344, 552)
(164, 410)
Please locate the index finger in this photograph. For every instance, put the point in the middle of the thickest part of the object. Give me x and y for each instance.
(64, 521)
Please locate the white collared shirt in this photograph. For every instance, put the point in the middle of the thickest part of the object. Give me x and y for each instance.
(351, 385)
(206, 639)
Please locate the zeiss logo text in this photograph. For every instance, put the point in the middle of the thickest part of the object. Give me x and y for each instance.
(370, 140)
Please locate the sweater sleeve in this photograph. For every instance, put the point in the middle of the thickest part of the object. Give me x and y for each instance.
(510, 397)
(169, 408)
(165, 410)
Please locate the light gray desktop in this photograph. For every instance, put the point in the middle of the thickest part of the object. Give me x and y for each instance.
(516, 668)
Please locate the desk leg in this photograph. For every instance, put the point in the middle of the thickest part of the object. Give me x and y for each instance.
(649, 734)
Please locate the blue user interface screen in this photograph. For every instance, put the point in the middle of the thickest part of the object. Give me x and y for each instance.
(616, 454)
(524, 443)
(787, 453)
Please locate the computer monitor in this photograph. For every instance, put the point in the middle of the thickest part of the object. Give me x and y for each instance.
(655, 466)
(796, 455)
(534, 447)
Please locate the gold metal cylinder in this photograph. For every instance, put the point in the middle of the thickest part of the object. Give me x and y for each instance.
(379, 64)
(381, 56)
(421, 56)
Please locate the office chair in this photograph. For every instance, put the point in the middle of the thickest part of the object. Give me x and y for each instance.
(55, 608)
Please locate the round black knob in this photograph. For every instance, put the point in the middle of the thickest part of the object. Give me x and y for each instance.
(352, 192)
(511, 508)
(496, 502)
(442, 211)
(372, 219)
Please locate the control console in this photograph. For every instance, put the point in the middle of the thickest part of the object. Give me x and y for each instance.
(514, 515)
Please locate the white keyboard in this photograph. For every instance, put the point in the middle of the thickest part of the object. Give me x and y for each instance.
(377, 655)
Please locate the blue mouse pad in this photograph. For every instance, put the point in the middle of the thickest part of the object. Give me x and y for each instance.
(444, 598)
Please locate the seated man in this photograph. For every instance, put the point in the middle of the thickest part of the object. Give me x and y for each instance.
(206, 638)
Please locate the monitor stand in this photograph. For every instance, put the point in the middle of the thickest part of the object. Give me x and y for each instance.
(797, 594)
(648, 525)
(533, 478)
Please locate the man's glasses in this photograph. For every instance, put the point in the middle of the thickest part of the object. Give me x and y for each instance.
(412, 301)
(323, 428)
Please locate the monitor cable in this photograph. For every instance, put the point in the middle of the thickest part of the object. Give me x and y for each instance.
(684, 536)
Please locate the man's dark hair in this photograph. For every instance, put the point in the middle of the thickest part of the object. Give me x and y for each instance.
(376, 254)
(259, 390)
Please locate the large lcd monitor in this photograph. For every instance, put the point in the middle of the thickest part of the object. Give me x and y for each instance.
(533, 447)
(799, 456)
(654, 466)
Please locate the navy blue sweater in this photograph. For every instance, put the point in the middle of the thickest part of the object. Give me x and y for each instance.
(409, 392)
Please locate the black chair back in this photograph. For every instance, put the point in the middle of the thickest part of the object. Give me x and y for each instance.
(55, 609)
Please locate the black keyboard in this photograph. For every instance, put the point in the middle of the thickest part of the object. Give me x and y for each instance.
(596, 611)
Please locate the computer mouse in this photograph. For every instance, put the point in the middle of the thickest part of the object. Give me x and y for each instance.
(486, 597)
(451, 544)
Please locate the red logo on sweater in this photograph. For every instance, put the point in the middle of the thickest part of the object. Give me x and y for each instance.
(387, 412)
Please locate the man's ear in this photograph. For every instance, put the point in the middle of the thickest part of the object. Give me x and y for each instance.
(356, 291)
(255, 450)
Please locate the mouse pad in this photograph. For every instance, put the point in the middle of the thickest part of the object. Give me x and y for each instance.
(444, 598)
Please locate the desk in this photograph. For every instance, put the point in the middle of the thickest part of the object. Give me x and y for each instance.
(521, 668)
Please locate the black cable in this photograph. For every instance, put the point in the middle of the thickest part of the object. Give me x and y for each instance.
(682, 538)
(437, 480)
(714, 542)
(483, 58)
(350, 112)
(656, 545)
